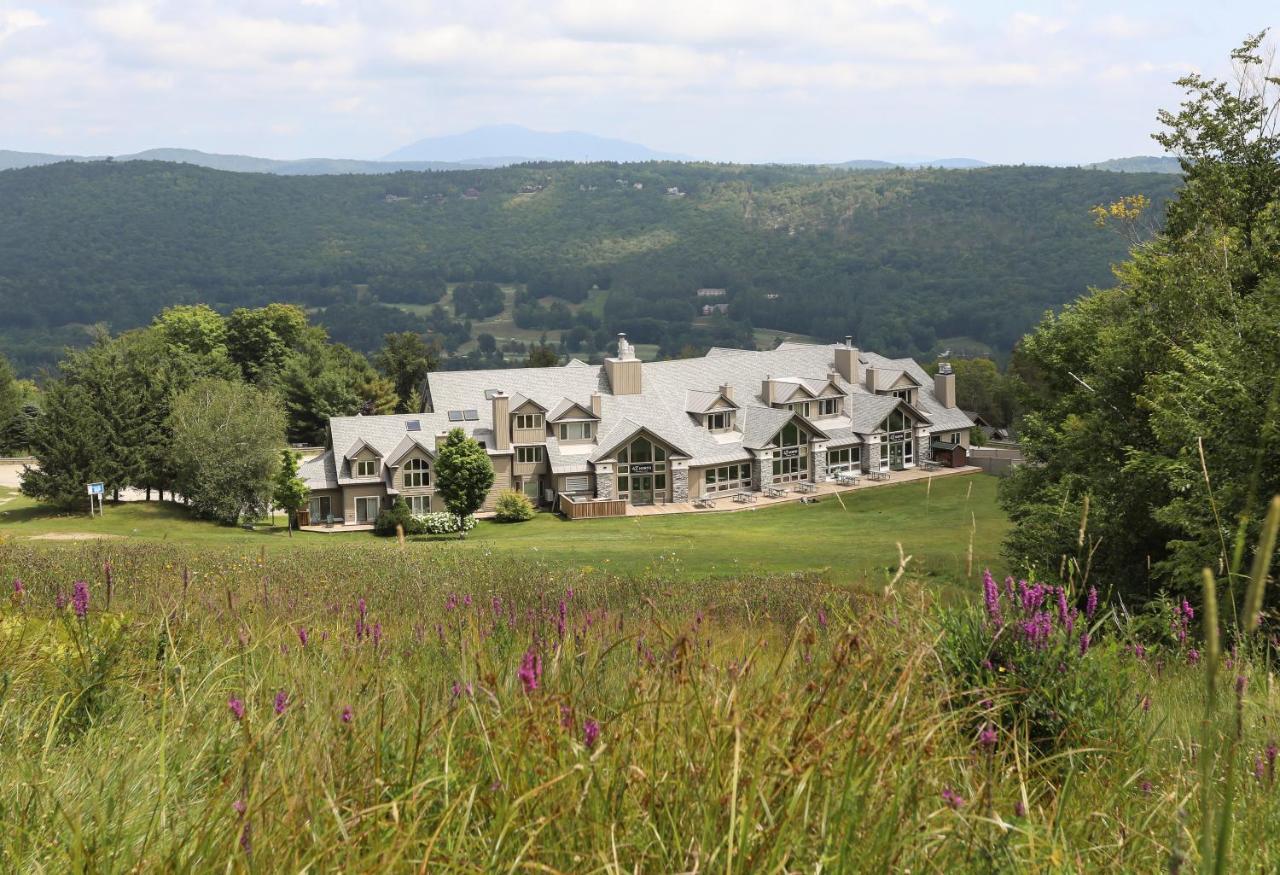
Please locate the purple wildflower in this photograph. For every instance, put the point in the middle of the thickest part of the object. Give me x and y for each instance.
(1259, 771)
(346, 714)
(303, 636)
(1019, 809)
(377, 634)
(59, 600)
(239, 806)
(236, 706)
(566, 717)
(1193, 656)
(1091, 603)
(1084, 643)
(1062, 605)
(987, 737)
(1145, 703)
(1146, 787)
(822, 618)
(530, 670)
(1187, 612)
(18, 588)
(282, 702)
(80, 599)
(991, 594)
(246, 839)
(952, 798)
(590, 733)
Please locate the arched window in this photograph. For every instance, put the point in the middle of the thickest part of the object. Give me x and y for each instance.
(416, 473)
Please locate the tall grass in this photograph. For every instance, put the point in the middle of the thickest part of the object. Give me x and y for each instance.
(376, 708)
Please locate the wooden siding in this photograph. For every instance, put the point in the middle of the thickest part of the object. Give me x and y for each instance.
(591, 508)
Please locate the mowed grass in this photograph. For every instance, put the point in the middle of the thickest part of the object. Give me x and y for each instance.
(851, 539)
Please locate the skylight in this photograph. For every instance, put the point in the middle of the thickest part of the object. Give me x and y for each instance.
(413, 425)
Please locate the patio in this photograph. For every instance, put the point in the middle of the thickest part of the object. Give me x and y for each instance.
(724, 502)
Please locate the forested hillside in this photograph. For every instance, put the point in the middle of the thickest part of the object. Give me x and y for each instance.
(901, 259)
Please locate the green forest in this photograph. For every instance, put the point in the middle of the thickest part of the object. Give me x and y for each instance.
(907, 261)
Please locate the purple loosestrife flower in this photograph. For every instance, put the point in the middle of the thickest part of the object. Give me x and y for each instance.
(18, 588)
(1091, 603)
(822, 618)
(80, 599)
(1259, 771)
(1188, 613)
(1193, 656)
(991, 593)
(282, 702)
(302, 636)
(530, 670)
(1084, 643)
(236, 707)
(59, 600)
(952, 798)
(987, 737)
(239, 806)
(1062, 606)
(1019, 809)
(377, 634)
(346, 714)
(590, 733)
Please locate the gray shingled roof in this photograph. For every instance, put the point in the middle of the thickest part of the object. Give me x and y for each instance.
(669, 388)
(319, 472)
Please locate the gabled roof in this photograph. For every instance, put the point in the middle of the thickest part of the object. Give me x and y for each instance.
(518, 401)
(361, 444)
(700, 401)
(764, 423)
(624, 432)
(406, 445)
(565, 410)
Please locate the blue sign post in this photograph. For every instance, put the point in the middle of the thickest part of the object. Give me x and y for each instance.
(96, 491)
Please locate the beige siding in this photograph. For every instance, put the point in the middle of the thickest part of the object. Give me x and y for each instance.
(528, 436)
(501, 481)
(351, 493)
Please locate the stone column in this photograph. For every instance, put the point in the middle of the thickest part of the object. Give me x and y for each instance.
(761, 473)
(818, 464)
(604, 481)
(680, 485)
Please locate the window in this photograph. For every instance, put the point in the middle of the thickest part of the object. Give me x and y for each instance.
(577, 483)
(802, 408)
(576, 431)
(896, 421)
(722, 421)
(828, 406)
(528, 420)
(844, 458)
(791, 436)
(367, 509)
(416, 473)
(528, 455)
(728, 478)
(642, 470)
(366, 467)
(419, 504)
(321, 509)
(904, 394)
(794, 466)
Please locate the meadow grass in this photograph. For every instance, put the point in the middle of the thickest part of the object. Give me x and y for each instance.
(851, 540)
(366, 706)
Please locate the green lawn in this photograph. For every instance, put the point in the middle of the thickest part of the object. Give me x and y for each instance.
(853, 541)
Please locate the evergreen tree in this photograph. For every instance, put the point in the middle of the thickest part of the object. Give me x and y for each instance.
(464, 474)
(69, 443)
(406, 359)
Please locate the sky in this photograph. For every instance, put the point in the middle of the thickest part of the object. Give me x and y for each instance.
(748, 80)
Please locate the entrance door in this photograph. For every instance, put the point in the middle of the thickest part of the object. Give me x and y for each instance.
(642, 489)
(367, 509)
(321, 509)
(896, 456)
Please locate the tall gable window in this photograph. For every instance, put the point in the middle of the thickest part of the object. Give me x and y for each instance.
(896, 421)
(791, 459)
(416, 473)
(366, 467)
(642, 472)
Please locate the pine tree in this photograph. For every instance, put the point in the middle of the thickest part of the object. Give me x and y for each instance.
(69, 443)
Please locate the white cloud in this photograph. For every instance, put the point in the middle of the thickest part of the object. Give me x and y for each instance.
(14, 20)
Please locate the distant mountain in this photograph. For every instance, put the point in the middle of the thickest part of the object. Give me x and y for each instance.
(946, 163)
(501, 145)
(240, 163)
(1139, 164)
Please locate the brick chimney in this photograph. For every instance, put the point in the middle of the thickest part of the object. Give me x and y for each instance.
(847, 364)
(944, 385)
(501, 421)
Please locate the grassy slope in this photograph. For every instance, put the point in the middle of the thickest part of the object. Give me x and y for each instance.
(853, 541)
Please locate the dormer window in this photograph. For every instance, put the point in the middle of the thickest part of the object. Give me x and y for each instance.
(577, 431)
(722, 421)
(528, 420)
(828, 406)
(802, 408)
(906, 395)
(366, 467)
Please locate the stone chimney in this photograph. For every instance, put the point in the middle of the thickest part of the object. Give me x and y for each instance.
(944, 385)
(847, 364)
(726, 390)
(596, 399)
(501, 421)
(624, 369)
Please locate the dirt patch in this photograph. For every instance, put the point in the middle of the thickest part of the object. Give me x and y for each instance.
(72, 536)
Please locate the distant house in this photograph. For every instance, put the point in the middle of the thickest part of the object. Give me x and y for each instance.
(637, 186)
(712, 293)
(772, 296)
(471, 194)
(989, 431)
(674, 191)
(712, 309)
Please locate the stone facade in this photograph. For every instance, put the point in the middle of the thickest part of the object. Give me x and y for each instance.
(761, 473)
(924, 450)
(680, 485)
(604, 485)
(818, 461)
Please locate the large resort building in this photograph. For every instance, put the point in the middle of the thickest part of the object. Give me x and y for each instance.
(631, 433)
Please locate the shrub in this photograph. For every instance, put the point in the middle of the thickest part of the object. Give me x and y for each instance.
(443, 523)
(398, 514)
(513, 507)
(1029, 656)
